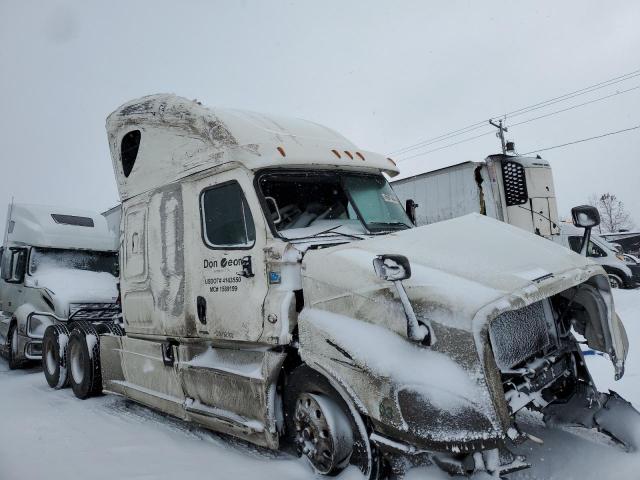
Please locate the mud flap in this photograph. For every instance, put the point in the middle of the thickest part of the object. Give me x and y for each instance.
(609, 413)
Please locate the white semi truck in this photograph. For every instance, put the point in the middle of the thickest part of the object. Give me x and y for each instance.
(57, 264)
(514, 189)
(273, 288)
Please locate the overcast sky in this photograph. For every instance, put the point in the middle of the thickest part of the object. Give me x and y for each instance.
(385, 74)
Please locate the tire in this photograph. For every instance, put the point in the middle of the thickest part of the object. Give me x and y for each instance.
(305, 384)
(12, 346)
(615, 281)
(54, 356)
(83, 356)
(113, 329)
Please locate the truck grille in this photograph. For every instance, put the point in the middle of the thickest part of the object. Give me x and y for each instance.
(93, 311)
(518, 335)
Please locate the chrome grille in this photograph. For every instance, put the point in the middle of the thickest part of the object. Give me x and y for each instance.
(94, 311)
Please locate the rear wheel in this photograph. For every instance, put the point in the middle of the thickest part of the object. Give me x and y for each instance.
(84, 361)
(54, 355)
(615, 281)
(324, 429)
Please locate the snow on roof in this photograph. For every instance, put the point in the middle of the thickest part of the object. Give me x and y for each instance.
(179, 137)
(58, 227)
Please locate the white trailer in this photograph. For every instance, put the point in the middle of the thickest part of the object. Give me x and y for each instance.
(514, 189)
(57, 263)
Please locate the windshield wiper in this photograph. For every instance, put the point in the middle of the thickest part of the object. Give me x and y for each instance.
(394, 226)
(331, 230)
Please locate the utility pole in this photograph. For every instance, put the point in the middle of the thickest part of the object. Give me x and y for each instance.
(500, 133)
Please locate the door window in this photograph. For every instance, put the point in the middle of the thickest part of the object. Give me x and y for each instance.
(226, 218)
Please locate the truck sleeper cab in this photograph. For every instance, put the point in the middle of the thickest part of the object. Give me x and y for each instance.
(273, 288)
(57, 264)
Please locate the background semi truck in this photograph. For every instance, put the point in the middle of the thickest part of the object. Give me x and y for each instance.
(274, 288)
(57, 263)
(514, 189)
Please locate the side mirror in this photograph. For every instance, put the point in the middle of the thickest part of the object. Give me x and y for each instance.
(410, 208)
(585, 216)
(392, 268)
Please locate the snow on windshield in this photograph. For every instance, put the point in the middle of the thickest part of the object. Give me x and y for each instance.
(50, 258)
(315, 201)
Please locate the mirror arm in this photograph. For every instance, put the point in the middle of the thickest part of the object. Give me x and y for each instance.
(413, 325)
(585, 241)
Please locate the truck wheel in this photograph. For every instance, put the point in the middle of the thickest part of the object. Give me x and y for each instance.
(54, 355)
(615, 281)
(321, 427)
(12, 347)
(84, 360)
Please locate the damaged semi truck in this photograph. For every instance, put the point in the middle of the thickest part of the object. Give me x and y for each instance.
(273, 288)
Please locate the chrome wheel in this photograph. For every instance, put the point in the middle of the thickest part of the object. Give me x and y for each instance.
(323, 432)
(14, 342)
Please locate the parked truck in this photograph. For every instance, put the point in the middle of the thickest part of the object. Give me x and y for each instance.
(274, 288)
(514, 189)
(57, 264)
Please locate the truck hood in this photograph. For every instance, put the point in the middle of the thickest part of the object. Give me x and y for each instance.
(464, 272)
(66, 286)
(465, 264)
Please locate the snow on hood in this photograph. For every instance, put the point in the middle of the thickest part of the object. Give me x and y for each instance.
(77, 286)
(462, 264)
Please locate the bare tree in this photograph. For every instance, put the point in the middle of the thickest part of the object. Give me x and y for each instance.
(613, 216)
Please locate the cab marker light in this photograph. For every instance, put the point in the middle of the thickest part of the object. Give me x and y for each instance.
(394, 163)
(336, 153)
(360, 155)
(349, 154)
(281, 150)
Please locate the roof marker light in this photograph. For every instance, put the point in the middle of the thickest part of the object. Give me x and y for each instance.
(349, 154)
(337, 153)
(281, 150)
(394, 163)
(360, 155)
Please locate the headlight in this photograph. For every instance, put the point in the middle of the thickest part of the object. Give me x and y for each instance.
(36, 326)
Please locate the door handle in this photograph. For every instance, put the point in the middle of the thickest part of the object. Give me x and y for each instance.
(201, 307)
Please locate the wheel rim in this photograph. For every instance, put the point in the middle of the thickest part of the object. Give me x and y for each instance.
(323, 432)
(614, 282)
(51, 362)
(77, 368)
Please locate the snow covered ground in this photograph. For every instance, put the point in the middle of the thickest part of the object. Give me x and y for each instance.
(51, 434)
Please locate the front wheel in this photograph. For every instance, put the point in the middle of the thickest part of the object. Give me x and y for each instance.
(12, 347)
(615, 281)
(324, 429)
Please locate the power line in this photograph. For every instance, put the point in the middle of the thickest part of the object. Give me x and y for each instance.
(520, 111)
(583, 140)
(523, 122)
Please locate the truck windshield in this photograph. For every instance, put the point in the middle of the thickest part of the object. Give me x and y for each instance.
(301, 203)
(45, 258)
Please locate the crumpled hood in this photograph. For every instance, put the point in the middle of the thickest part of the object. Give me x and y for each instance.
(461, 264)
(76, 286)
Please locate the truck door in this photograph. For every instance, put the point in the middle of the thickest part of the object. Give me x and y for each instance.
(232, 282)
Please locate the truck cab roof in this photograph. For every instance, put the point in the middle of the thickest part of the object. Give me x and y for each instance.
(159, 139)
(57, 227)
